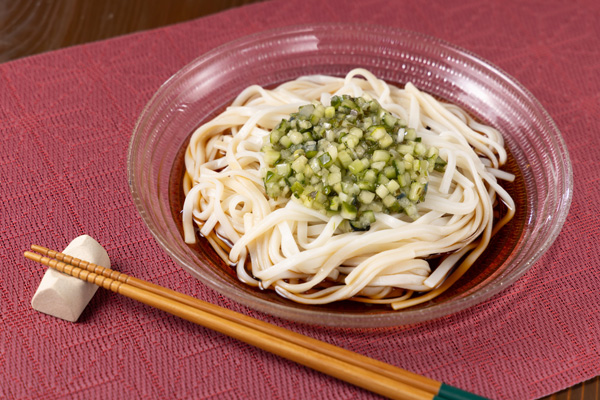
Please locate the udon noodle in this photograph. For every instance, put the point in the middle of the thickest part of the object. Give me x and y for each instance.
(303, 254)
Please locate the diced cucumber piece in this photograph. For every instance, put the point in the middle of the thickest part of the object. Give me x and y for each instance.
(404, 179)
(315, 165)
(305, 112)
(416, 190)
(297, 188)
(295, 137)
(272, 156)
(390, 172)
(284, 169)
(363, 221)
(355, 167)
(381, 155)
(366, 197)
(411, 211)
(382, 179)
(285, 141)
(321, 198)
(370, 176)
(405, 148)
(366, 185)
(329, 112)
(377, 133)
(389, 120)
(326, 160)
(416, 165)
(271, 176)
(393, 186)
(382, 191)
(345, 158)
(440, 165)
(348, 211)
(299, 164)
(334, 178)
(399, 165)
(411, 134)
(304, 126)
(334, 203)
(420, 149)
(275, 136)
(357, 132)
(386, 141)
(389, 200)
(378, 166)
(351, 141)
(432, 152)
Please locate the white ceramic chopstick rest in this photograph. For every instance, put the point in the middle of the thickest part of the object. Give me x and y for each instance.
(64, 296)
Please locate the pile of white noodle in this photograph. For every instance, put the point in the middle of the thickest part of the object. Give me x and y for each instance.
(300, 252)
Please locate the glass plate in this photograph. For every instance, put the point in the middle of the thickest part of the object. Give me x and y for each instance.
(202, 89)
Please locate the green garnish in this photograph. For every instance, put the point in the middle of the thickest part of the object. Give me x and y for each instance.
(352, 158)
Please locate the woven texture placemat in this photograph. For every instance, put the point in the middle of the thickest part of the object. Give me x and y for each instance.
(66, 118)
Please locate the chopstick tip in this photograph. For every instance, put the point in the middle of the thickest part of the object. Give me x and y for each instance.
(32, 256)
(38, 248)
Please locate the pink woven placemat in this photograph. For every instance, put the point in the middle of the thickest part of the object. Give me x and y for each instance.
(66, 118)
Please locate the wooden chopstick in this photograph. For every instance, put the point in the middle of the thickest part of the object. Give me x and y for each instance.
(421, 382)
(351, 367)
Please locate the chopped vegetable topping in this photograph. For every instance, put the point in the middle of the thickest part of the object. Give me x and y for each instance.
(352, 158)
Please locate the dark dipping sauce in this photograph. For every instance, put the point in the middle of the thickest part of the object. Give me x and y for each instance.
(485, 269)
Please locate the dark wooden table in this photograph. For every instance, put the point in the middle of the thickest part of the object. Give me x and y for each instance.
(29, 27)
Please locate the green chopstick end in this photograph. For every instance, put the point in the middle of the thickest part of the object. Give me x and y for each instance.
(448, 392)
